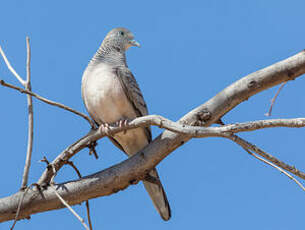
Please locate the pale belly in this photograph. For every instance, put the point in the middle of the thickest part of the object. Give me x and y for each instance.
(106, 102)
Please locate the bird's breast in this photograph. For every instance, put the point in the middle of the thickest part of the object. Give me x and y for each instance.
(106, 101)
(104, 96)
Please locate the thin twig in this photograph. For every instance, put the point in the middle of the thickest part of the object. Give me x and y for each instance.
(274, 98)
(75, 168)
(48, 101)
(69, 207)
(45, 160)
(247, 145)
(57, 194)
(30, 121)
(60, 198)
(87, 201)
(20, 203)
(28, 62)
(276, 167)
(88, 214)
(11, 68)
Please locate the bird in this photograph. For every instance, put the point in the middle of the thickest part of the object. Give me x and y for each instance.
(111, 94)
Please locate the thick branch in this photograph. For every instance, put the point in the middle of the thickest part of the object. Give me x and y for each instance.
(121, 175)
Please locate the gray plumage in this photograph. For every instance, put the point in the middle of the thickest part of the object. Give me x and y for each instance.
(111, 93)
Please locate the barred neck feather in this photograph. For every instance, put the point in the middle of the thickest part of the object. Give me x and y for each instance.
(109, 54)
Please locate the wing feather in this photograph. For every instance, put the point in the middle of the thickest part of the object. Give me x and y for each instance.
(134, 94)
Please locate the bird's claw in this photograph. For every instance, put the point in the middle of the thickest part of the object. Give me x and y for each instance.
(122, 123)
(105, 128)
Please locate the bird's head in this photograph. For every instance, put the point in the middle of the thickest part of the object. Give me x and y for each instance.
(120, 38)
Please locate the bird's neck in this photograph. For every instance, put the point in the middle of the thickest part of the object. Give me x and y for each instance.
(110, 55)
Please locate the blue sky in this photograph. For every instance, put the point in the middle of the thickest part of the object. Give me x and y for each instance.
(190, 51)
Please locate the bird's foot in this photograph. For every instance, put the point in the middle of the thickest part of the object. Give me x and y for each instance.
(105, 128)
(122, 123)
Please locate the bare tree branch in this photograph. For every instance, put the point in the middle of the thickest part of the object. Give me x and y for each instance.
(123, 174)
(27, 86)
(262, 124)
(191, 131)
(57, 104)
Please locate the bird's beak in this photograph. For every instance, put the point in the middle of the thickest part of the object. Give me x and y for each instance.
(134, 43)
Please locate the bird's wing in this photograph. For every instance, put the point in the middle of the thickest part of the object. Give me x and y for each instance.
(134, 94)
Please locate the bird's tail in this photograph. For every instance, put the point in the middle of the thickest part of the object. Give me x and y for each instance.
(157, 194)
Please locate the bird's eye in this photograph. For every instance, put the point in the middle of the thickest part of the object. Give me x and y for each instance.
(122, 33)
